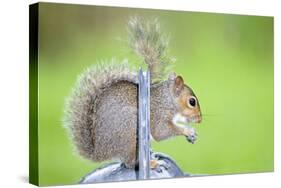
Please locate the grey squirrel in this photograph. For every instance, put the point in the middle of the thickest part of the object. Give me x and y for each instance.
(101, 112)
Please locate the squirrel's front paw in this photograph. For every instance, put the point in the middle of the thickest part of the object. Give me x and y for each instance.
(191, 135)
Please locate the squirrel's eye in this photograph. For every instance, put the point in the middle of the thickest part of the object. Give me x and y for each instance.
(192, 102)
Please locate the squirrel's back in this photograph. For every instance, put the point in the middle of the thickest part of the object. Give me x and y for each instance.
(116, 123)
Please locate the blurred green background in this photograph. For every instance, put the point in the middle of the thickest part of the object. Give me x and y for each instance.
(226, 59)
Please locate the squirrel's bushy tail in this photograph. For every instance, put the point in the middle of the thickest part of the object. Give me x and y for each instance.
(146, 39)
(79, 113)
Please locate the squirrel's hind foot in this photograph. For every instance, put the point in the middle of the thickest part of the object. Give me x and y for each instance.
(158, 165)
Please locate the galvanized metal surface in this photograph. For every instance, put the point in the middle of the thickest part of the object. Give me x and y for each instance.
(167, 168)
(144, 125)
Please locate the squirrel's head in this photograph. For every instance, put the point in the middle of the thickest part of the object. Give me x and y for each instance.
(188, 109)
(179, 109)
(187, 103)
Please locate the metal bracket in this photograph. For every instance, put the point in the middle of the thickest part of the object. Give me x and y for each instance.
(144, 125)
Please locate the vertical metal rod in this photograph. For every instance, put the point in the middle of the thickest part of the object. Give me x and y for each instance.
(144, 125)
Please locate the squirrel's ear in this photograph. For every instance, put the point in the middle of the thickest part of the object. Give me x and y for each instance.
(179, 84)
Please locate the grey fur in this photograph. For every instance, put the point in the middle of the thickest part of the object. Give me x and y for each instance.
(163, 108)
(80, 109)
(146, 39)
